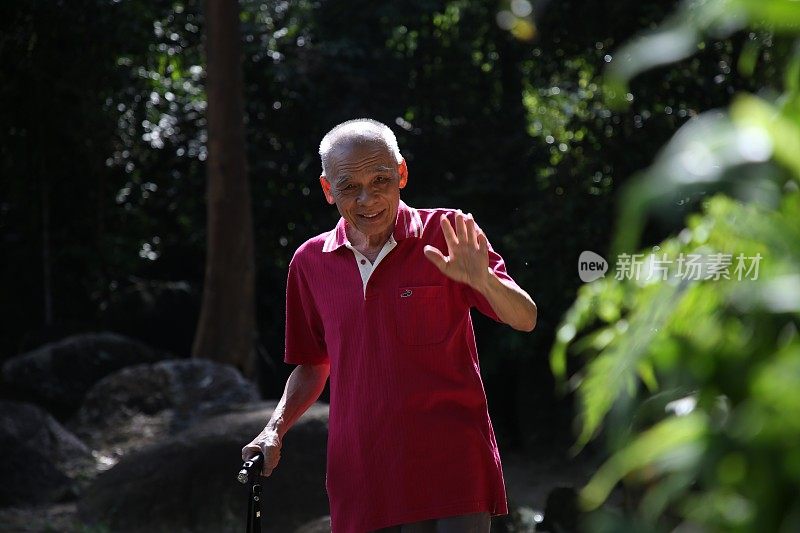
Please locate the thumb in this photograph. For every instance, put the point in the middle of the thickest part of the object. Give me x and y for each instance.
(435, 256)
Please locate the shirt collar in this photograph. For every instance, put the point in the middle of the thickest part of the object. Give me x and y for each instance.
(408, 224)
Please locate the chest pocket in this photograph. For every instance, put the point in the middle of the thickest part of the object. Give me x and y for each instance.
(421, 314)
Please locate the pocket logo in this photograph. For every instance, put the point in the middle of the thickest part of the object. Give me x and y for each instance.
(406, 293)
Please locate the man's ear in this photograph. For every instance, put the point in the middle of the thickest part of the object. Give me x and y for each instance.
(402, 169)
(326, 189)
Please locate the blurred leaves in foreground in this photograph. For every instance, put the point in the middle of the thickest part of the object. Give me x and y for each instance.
(694, 382)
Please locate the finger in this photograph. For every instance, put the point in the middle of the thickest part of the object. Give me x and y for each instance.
(472, 236)
(248, 452)
(461, 228)
(436, 257)
(449, 233)
(483, 243)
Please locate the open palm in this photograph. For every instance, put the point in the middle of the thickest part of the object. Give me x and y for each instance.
(468, 251)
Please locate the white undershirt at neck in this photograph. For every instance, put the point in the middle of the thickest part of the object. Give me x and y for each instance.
(366, 268)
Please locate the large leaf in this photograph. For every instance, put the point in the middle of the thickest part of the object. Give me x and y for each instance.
(675, 443)
(608, 374)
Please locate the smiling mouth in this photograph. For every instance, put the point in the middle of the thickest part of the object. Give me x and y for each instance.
(372, 216)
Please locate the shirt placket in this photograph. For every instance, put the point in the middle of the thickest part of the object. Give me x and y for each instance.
(365, 268)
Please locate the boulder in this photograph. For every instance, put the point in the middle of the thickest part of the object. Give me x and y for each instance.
(48, 517)
(187, 482)
(139, 404)
(58, 375)
(38, 456)
(320, 525)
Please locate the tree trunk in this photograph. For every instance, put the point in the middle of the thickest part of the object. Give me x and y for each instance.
(226, 329)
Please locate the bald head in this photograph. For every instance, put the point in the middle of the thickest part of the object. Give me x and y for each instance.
(357, 131)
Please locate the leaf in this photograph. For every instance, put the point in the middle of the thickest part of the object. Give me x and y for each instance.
(671, 43)
(776, 15)
(648, 376)
(609, 373)
(749, 56)
(677, 439)
(758, 117)
(792, 75)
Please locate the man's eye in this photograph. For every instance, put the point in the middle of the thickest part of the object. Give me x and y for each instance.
(381, 179)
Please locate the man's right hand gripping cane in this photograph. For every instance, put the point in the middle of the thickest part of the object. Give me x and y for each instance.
(267, 443)
(302, 389)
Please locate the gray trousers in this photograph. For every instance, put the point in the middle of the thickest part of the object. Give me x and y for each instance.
(465, 523)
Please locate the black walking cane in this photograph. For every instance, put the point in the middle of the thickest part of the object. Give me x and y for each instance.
(251, 472)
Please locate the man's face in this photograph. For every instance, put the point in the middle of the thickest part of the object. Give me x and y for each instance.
(364, 182)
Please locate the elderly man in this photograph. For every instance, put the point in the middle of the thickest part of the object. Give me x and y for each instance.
(381, 303)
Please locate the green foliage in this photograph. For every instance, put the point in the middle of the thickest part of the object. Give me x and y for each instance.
(694, 380)
(684, 33)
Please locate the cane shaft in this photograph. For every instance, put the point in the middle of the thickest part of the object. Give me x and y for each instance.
(254, 509)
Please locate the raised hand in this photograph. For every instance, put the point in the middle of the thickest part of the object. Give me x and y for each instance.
(467, 257)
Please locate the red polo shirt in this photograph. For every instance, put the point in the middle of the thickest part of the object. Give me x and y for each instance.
(409, 435)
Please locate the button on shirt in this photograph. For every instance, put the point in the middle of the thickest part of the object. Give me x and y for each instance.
(410, 436)
(365, 267)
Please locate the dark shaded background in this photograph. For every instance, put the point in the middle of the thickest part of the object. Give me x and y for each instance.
(102, 150)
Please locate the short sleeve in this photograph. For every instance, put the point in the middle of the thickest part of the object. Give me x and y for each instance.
(475, 298)
(305, 334)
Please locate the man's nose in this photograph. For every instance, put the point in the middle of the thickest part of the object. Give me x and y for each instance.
(366, 195)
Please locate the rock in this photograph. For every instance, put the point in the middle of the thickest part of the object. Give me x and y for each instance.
(38, 454)
(29, 479)
(320, 525)
(139, 404)
(30, 424)
(188, 482)
(47, 517)
(58, 375)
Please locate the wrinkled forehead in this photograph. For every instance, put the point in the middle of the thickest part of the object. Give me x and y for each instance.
(360, 154)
